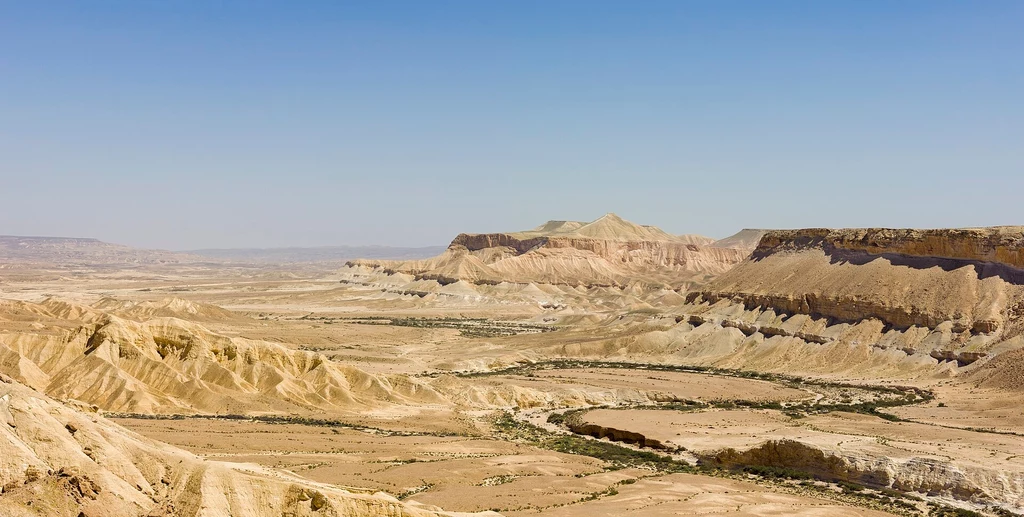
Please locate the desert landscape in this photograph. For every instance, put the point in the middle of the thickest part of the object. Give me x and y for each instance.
(578, 368)
(576, 258)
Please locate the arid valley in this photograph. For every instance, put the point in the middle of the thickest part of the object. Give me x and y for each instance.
(575, 369)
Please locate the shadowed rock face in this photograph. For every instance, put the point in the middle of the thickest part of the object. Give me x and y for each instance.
(480, 241)
(615, 435)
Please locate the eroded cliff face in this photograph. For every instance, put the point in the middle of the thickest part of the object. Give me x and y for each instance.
(480, 241)
(971, 278)
(997, 245)
(613, 434)
(929, 475)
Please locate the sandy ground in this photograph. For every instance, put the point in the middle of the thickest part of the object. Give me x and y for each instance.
(471, 474)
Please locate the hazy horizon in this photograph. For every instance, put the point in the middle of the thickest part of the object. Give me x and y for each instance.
(190, 125)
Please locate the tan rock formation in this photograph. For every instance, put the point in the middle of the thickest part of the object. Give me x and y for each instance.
(607, 252)
(904, 278)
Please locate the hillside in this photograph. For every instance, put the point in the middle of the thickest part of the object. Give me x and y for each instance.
(609, 251)
(57, 460)
(143, 358)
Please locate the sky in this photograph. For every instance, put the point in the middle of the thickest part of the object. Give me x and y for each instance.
(216, 124)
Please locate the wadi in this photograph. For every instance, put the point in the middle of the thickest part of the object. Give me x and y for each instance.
(573, 369)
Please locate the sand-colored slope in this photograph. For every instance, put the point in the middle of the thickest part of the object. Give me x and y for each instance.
(698, 240)
(745, 239)
(613, 227)
(558, 227)
(59, 461)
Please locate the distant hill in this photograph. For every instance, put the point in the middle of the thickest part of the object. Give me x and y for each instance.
(72, 251)
(79, 251)
(318, 254)
(745, 239)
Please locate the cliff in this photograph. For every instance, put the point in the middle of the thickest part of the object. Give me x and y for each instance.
(1002, 245)
(904, 278)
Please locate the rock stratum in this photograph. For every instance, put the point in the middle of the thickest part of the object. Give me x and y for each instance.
(608, 252)
(970, 278)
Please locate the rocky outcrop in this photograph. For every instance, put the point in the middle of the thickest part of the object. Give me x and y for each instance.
(480, 241)
(997, 245)
(615, 435)
(848, 309)
(972, 278)
(914, 474)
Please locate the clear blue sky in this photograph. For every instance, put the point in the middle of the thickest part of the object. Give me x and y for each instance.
(238, 123)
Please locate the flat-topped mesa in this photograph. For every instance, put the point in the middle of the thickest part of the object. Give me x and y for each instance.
(609, 251)
(999, 244)
(972, 278)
